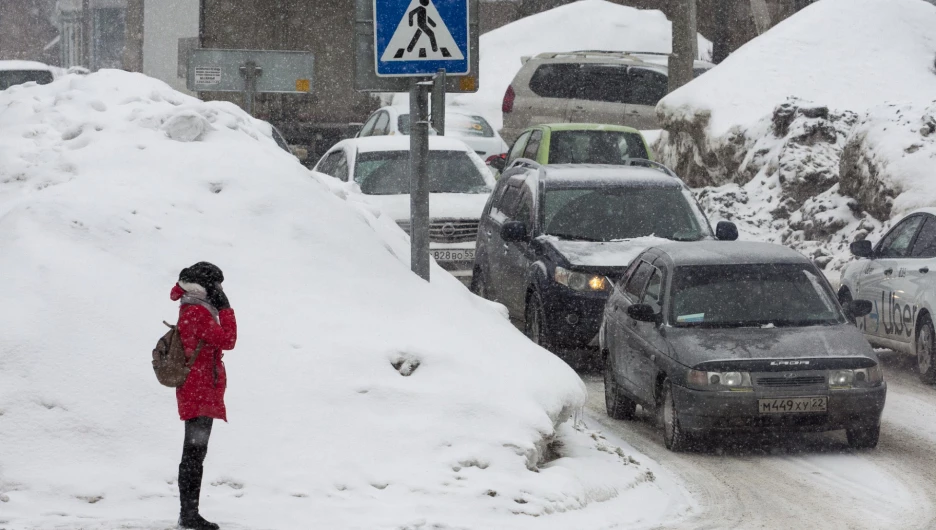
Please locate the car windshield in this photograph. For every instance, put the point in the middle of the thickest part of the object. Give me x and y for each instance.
(456, 124)
(387, 173)
(752, 295)
(9, 78)
(622, 212)
(595, 147)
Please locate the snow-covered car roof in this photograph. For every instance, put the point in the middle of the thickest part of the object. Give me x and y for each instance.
(24, 65)
(401, 143)
(729, 253)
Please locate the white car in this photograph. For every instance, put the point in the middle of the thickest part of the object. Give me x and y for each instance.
(898, 276)
(469, 127)
(459, 185)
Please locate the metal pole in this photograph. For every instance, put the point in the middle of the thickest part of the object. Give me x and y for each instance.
(438, 102)
(86, 36)
(419, 179)
(251, 72)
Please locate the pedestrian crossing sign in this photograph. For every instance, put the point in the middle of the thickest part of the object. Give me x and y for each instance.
(419, 37)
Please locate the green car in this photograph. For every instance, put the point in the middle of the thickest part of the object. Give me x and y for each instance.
(577, 143)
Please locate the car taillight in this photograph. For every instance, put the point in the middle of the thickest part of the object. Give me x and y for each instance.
(492, 158)
(509, 97)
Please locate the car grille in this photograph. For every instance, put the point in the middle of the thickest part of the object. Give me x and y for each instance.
(448, 230)
(802, 380)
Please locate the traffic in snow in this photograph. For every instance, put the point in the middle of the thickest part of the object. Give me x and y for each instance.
(461, 264)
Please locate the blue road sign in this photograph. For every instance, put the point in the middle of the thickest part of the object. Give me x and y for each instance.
(418, 37)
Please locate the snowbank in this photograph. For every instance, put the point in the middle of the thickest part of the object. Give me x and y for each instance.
(582, 25)
(818, 132)
(359, 396)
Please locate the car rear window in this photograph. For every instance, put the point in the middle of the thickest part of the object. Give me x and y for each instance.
(387, 173)
(9, 78)
(771, 294)
(595, 147)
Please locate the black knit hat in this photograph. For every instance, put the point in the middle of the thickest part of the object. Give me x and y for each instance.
(202, 273)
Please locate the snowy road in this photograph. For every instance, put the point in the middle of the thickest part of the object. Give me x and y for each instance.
(804, 480)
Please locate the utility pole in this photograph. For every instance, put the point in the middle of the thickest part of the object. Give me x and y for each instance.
(685, 43)
(86, 37)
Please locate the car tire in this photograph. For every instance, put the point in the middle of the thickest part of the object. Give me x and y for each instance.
(844, 296)
(619, 406)
(926, 350)
(674, 438)
(863, 437)
(536, 321)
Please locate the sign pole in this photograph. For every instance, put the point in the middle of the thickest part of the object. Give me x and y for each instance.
(438, 102)
(251, 72)
(419, 178)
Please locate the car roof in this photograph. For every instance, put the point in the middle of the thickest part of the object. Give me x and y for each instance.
(24, 65)
(586, 127)
(589, 175)
(370, 144)
(449, 109)
(728, 253)
(606, 56)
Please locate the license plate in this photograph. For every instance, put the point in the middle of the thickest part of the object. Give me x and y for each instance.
(455, 254)
(792, 405)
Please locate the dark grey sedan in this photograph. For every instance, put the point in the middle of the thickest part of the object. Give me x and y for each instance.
(726, 336)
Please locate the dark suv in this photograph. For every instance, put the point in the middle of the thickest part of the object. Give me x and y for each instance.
(553, 239)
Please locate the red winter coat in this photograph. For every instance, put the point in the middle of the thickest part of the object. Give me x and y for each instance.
(203, 391)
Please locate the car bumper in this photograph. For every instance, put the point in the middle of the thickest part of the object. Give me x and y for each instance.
(703, 411)
(573, 318)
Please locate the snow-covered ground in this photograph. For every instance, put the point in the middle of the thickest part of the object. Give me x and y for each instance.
(359, 396)
(817, 132)
(582, 25)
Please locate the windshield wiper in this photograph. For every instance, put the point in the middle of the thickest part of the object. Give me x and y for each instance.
(576, 238)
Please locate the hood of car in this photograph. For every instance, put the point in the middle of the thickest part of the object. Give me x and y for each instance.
(601, 254)
(778, 348)
(441, 205)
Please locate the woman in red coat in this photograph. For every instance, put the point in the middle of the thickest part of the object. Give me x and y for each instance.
(207, 327)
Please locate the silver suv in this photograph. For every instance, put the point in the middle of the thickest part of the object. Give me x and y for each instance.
(620, 88)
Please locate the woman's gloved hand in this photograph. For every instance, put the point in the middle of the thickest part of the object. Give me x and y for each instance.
(217, 298)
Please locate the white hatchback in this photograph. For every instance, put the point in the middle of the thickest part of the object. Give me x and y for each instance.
(898, 276)
(459, 185)
(466, 125)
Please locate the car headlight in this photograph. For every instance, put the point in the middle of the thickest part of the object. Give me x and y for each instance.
(581, 281)
(862, 377)
(736, 381)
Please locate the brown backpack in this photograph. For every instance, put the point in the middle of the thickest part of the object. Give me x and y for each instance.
(169, 358)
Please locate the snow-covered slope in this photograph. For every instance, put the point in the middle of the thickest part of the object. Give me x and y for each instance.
(582, 25)
(359, 396)
(818, 132)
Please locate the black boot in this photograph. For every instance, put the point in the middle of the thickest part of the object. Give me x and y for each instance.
(196, 522)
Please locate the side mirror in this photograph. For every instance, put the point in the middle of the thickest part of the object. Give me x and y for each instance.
(859, 308)
(862, 249)
(513, 232)
(726, 231)
(498, 162)
(644, 313)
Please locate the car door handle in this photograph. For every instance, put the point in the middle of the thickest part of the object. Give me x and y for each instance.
(888, 272)
(924, 270)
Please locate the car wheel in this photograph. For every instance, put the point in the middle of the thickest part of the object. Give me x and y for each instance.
(926, 350)
(863, 437)
(674, 438)
(619, 406)
(536, 321)
(845, 297)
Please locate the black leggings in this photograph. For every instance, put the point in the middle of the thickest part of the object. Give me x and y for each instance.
(191, 469)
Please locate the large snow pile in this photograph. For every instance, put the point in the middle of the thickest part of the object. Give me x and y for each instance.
(817, 132)
(359, 396)
(582, 25)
